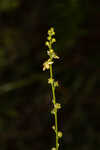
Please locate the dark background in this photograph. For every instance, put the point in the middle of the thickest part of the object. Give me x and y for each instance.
(25, 96)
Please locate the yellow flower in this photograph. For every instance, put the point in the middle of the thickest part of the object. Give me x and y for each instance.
(53, 127)
(47, 43)
(50, 81)
(50, 52)
(57, 106)
(51, 32)
(53, 148)
(60, 134)
(54, 56)
(52, 29)
(46, 64)
(53, 40)
(50, 62)
(49, 38)
(53, 111)
(58, 144)
(56, 84)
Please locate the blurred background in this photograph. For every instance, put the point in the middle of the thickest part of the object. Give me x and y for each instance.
(25, 96)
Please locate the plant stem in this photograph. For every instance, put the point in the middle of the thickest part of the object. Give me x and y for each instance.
(54, 102)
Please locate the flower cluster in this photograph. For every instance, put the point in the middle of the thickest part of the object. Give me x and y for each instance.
(52, 55)
(47, 65)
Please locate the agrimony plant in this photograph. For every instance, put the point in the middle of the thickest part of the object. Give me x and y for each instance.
(48, 65)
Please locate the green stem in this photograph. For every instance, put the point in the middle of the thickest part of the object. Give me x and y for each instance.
(54, 102)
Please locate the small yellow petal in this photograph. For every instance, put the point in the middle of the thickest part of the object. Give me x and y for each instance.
(56, 57)
(50, 61)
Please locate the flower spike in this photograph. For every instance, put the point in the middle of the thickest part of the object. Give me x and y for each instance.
(47, 65)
